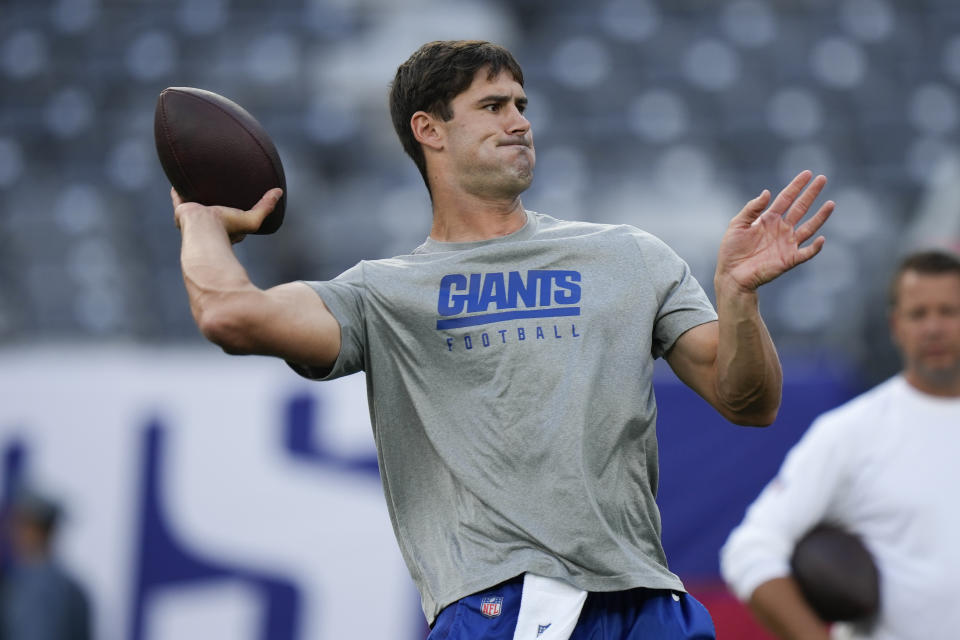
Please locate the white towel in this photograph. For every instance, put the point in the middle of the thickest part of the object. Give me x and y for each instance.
(549, 609)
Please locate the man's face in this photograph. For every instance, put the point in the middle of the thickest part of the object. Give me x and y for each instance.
(925, 323)
(489, 141)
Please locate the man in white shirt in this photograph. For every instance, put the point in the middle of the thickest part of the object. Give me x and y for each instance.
(883, 466)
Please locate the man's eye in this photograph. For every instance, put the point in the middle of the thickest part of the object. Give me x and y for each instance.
(492, 107)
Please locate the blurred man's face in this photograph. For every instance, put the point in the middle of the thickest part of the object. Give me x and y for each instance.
(28, 537)
(925, 323)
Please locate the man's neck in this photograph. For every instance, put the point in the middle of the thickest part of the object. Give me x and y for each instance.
(472, 219)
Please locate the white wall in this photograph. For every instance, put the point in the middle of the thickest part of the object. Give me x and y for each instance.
(231, 493)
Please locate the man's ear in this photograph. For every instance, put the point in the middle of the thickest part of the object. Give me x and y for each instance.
(426, 130)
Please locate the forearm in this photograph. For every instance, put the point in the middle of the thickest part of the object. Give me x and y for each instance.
(212, 273)
(779, 606)
(749, 378)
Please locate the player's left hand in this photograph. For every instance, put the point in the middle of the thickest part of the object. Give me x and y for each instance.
(760, 245)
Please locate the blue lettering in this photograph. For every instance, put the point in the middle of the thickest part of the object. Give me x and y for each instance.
(544, 277)
(573, 331)
(526, 291)
(473, 302)
(521, 334)
(493, 293)
(467, 342)
(565, 280)
(556, 333)
(503, 335)
(449, 344)
(450, 304)
(540, 335)
(484, 298)
(485, 339)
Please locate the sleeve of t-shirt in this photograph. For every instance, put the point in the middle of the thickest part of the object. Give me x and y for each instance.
(796, 500)
(681, 302)
(344, 297)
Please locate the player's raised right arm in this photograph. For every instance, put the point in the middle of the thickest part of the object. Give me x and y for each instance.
(288, 321)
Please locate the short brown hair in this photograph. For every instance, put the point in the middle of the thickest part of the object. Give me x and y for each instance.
(926, 262)
(433, 76)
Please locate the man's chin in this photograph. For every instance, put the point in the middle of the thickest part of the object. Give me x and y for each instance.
(517, 183)
(502, 184)
(522, 185)
(940, 374)
(525, 178)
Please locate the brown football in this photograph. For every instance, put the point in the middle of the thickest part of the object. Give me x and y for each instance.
(836, 574)
(215, 153)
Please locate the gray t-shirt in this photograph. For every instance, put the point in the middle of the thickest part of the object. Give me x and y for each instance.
(511, 397)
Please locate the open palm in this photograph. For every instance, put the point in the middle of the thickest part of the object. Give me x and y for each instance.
(760, 245)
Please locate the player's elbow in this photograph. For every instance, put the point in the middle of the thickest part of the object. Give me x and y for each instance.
(759, 411)
(754, 418)
(756, 406)
(225, 326)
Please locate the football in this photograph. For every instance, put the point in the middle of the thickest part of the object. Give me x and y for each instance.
(837, 574)
(215, 153)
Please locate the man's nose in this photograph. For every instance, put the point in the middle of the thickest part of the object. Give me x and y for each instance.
(517, 122)
(934, 324)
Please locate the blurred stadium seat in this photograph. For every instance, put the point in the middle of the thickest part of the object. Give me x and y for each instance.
(665, 114)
